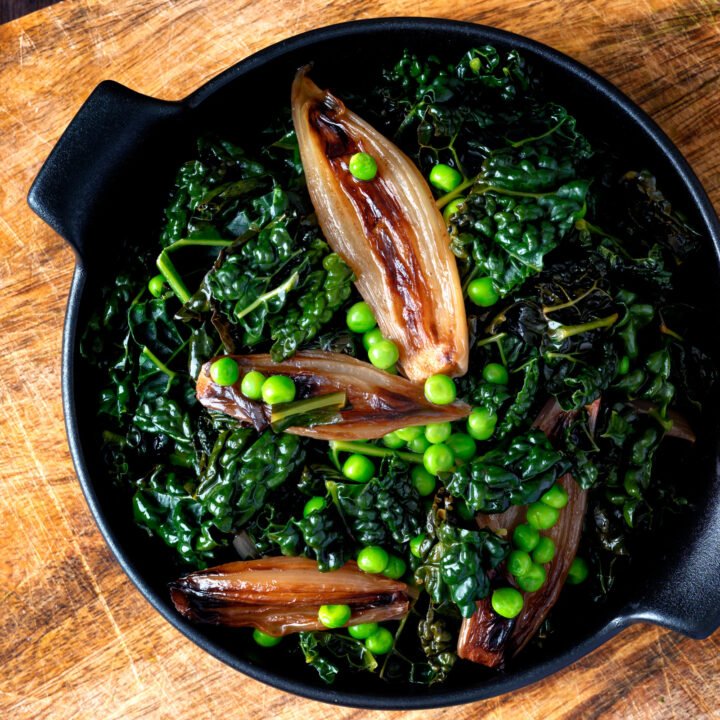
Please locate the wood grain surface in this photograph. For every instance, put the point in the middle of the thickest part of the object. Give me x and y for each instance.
(76, 639)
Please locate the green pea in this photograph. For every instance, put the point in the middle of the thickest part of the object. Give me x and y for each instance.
(462, 445)
(519, 562)
(265, 640)
(444, 177)
(507, 602)
(533, 580)
(578, 571)
(423, 481)
(372, 559)
(251, 385)
(451, 208)
(542, 516)
(380, 642)
(526, 537)
(396, 568)
(371, 337)
(362, 630)
(393, 441)
(410, 433)
(496, 373)
(481, 423)
(225, 371)
(415, 544)
(624, 365)
(334, 616)
(481, 292)
(438, 458)
(440, 389)
(556, 497)
(156, 284)
(544, 552)
(358, 468)
(383, 354)
(360, 318)
(362, 166)
(419, 445)
(278, 389)
(438, 432)
(313, 505)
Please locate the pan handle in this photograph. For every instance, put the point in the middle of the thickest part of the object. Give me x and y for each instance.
(92, 187)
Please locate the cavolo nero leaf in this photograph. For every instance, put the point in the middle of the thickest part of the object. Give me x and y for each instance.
(323, 650)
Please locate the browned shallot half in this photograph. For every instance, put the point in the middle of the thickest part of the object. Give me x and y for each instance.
(376, 402)
(282, 595)
(486, 637)
(388, 230)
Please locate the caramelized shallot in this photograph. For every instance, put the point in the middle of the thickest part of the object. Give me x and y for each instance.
(377, 402)
(282, 595)
(388, 230)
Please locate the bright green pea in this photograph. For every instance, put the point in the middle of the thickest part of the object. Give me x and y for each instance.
(496, 373)
(360, 318)
(380, 642)
(419, 445)
(423, 481)
(481, 292)
(225, 371)
(410, 433)
(313, 505)
(507, 602)
(451, 208)
(481, 423)
(396, 568)
(556, 497)
(265, 640)
(578, 571)
(542, 516)
(438, 432)
(545, 551)
(438, 458)
(393, 441)
(462, 445)
(526, 537)
(383, 354)
(362, 166)
(334, 616)
(358, 468)
(415, 544)
(533, 580)
(362, 631)
(278, 389)
(440, 389)
(519, 562)
(156, 284)
(372, 559)
(371, 337)
(251, 385)
(444, 177)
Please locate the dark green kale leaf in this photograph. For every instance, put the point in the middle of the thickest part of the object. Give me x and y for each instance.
(517, 474)
(454, 561)
(327, 651)
(438, 644)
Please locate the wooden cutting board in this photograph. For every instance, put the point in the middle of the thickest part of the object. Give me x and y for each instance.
(76, 639)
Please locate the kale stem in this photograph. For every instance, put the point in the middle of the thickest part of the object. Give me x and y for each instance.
(285, 410)
(445, 199)
(114, 438)
(192, 242)
(157, 362)
(285, 287)
(492, 338)
(552, 308)
(373, 450)
(520, 143)
(441, 202)
(166, 267)
(565, 331)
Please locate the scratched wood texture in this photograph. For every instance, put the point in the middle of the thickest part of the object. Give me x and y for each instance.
(76, 639)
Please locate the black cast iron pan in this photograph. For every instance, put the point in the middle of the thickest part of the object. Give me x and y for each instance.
(108, 176)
